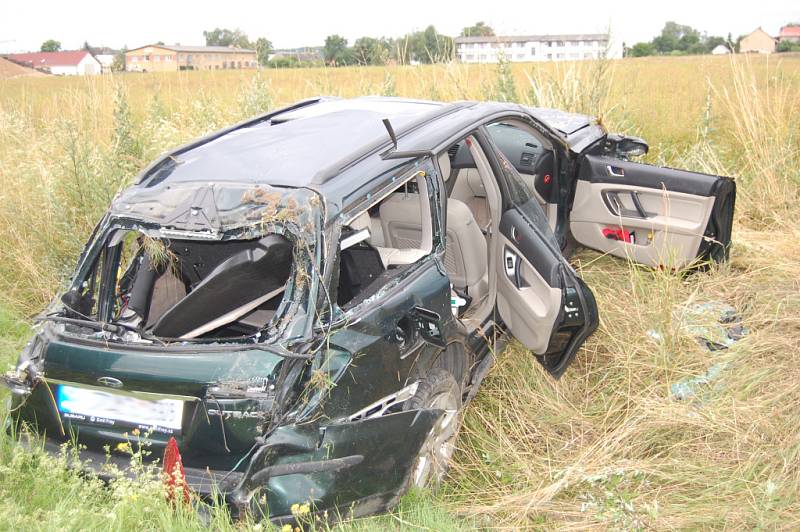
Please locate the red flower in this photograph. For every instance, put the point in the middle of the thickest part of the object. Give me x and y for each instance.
(173, 471)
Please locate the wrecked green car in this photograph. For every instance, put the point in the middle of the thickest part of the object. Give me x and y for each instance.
(306, 301)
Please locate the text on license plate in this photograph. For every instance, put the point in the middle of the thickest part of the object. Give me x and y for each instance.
(122, 411)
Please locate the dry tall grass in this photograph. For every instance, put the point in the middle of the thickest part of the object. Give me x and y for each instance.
(608, 445)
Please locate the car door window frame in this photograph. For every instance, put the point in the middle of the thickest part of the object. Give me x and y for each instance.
(563, 277)
(428, 172)
(505, 172)
(494, 197)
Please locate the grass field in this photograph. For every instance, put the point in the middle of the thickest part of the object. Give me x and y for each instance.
(606, 446)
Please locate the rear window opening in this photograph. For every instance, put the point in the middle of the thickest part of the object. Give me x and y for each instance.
(186, 289)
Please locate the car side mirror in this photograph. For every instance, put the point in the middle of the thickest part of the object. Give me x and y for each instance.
(626, 147)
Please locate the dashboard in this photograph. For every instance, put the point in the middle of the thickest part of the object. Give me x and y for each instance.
(534, 162)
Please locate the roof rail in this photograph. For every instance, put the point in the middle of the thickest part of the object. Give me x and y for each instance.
(381, 144)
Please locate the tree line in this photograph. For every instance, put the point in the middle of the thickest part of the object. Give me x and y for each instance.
(424, 46)
(680, 39)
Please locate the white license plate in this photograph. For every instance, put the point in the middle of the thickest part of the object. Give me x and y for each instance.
(122, 411)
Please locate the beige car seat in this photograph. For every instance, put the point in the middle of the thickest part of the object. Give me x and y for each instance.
(465, 251)
(469, 188)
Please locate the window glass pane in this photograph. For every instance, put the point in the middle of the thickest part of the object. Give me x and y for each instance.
(522, 197)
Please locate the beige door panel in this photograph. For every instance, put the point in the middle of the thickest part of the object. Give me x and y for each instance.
(530, 312)
(670, 235)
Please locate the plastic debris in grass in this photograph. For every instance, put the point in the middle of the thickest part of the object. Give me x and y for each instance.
(698, 385)
(717, 326)
(613, 497)
(655, 335)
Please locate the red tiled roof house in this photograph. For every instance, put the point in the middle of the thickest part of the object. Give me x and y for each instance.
(77, 63)
(789, 34)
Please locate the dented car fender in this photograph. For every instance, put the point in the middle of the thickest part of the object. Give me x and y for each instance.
(366, 463)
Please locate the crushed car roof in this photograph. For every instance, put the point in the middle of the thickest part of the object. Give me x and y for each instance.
(293, 148)
(567, 123)
(308, 144)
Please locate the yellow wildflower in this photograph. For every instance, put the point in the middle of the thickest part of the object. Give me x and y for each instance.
(124, 447)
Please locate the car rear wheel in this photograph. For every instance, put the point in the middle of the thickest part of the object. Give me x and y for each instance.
(437, 390)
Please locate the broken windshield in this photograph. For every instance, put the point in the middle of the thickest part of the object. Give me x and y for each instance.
(202, 263)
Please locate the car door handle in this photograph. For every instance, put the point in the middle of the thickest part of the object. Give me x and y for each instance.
(612, 200)
(403, 330)
(511, 265)
(615, 171)
(637, 203)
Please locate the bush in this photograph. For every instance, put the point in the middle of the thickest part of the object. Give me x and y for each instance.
(787, 46)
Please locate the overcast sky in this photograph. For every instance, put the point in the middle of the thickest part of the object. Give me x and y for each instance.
(24, 25)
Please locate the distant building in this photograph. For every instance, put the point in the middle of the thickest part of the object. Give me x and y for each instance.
(77, 63)
(304, 55)
(166, 58)
(789, 34)
(105, 60)
(721, 49)
(757, 42)
(519, 48)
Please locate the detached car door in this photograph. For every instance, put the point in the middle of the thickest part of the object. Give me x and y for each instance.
(540, 298)
(655, 216)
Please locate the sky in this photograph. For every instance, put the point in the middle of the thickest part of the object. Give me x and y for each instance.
(25, 25)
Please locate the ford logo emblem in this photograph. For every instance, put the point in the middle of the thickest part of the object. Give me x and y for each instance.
(110, 382)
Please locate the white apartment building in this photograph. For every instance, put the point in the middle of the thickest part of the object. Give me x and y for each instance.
(521, 48)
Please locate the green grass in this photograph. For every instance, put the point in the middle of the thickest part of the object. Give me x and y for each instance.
(608, 445)
(14, 332)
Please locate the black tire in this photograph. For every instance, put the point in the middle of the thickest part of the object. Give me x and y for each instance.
(456, 360)
(438, 389)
